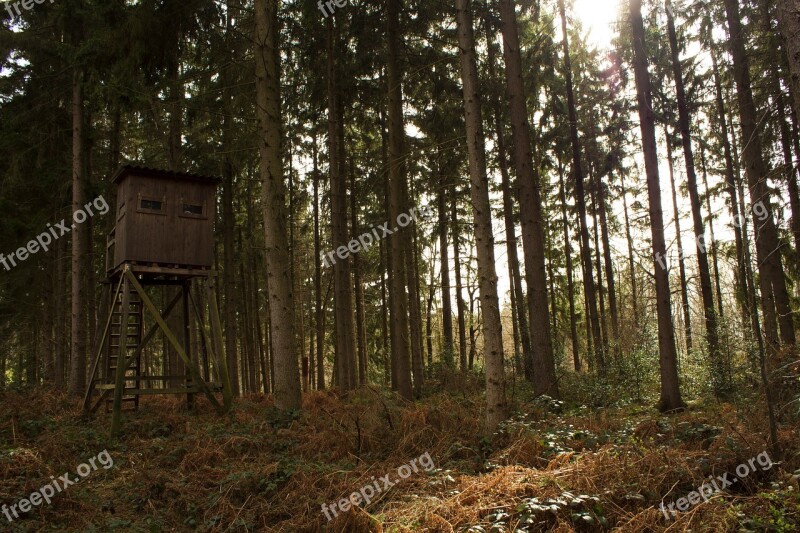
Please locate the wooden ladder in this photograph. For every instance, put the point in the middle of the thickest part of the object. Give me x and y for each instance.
(133, 373)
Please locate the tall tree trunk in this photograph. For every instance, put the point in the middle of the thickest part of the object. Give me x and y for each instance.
(250, 300)
(573, 322)
(263, 350)
(385, 327)
(730, 184)
(176, 96)
(714, 250)
(687, 310)
(228, 222)
(609, 264)
(795, 165)
(783, 125)
(414, 308)
(511, 250)
(447, 306)
(281, 305)
(341, 105)
(460, 306)
(417, 247)
(319, 320)
(429, 319)
(60, 353)
(789, 23)
(775, 297)
(580, 196)
(389, 359)
(601, 299)
(587, 323)
(401, 351)
(631, 263)
(472, 320)
(706, 292)
(508, 219)
(174, 158)
(752, 298)
(361, 334)
(553, 298)
(47, 336)
(518, 369)
(482, 215)
(790, 174)
(247, 319)
(668, 357)
(343, 296)
(530, 208)
(77, 378)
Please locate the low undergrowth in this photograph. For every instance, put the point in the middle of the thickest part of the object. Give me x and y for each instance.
(553, 466)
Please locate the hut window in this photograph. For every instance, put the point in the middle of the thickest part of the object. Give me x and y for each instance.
(191, 209)
(151, 205)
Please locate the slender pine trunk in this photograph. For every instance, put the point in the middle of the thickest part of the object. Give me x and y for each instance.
(668, 357)
(580, 198)
(401, 350)
(281, 303)
(531, 217)
(687, 310)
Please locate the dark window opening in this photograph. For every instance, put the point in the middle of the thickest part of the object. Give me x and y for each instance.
(190, 209)
(151, 205)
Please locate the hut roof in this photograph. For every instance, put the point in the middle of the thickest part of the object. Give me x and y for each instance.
(139, 170)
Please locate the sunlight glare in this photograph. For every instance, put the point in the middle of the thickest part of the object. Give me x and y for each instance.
(598, 18)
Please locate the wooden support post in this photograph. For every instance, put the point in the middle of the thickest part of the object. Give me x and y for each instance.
(119, 388)
(174, 341)
(216, 333)
(201, 327)
(205, 337)
(187, 337)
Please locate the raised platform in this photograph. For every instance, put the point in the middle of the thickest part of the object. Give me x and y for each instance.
(155, 272)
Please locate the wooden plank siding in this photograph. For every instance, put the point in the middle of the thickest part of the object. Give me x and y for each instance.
(164, 218)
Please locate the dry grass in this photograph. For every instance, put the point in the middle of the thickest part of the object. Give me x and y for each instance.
(176, 471)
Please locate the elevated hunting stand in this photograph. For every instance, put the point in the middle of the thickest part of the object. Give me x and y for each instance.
(163, 237)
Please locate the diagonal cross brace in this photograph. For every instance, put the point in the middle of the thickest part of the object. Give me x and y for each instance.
(195, 373)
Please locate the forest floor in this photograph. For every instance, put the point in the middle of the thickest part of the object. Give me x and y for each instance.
(555, 466)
